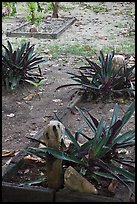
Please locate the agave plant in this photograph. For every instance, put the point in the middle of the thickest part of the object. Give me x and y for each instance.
(103, 81)
(100, 155)
(17, 64)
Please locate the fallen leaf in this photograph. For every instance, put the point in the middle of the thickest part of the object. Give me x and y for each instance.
(32, 158)
(29, 97)
(113, 186)
(7, 153)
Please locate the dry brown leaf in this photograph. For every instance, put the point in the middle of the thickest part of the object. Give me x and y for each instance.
(29, 97)
(35, 159)
(113, 186)
(7, 153)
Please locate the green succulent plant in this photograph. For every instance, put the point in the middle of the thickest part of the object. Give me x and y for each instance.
(99, 156)
(18, 64)
(102, 81)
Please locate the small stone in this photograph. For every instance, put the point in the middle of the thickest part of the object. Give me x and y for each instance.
(33, 29)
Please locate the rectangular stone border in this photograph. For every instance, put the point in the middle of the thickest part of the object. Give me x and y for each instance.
(66, 195)
(11, 192)
(14, 33)
(14, 193)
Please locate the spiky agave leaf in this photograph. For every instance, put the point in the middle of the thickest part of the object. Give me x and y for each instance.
(41, 152)
(18, 63)
(114, 171)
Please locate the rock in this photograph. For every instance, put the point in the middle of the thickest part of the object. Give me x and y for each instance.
(76, 182)
(118, 61)
(33, 29)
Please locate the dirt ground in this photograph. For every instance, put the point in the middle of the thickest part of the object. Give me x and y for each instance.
(22, 117)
